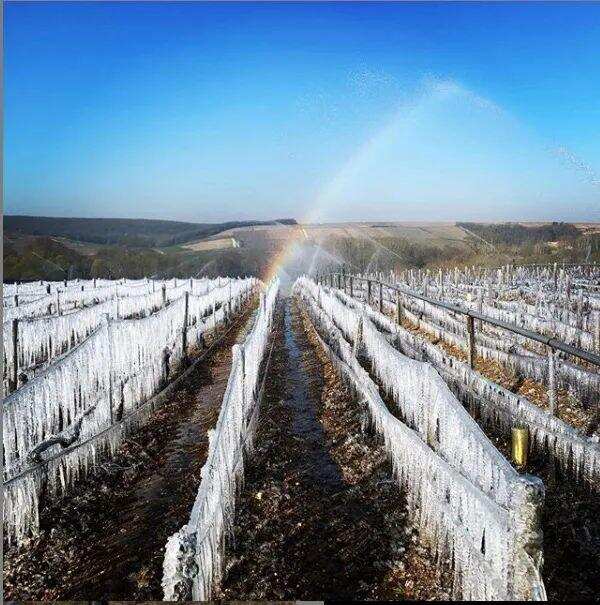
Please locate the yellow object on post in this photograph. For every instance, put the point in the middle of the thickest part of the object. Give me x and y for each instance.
(520, 445)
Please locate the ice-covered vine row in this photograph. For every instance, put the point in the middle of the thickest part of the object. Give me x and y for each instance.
(579, 382)
(40, 288)
(497, 407)
(43, 339)
(492, 538)
(194, 555)
(424, 401)
(552, 278)
(61, 300)
(553, 321)
(74, 405)
(516, 353)
(561, 302)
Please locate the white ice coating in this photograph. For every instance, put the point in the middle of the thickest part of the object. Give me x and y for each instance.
(581, 383)
(91, 389)
(549, 310)
(14, 300)
(44, 339)
(424, 401)
(36, 308)
(42, 287)
(194, 555)
(517, 353)
(486, 334)
(498, 408)
(83, 294)
(549, 327)
(560, 302)
(558, 279)
(489, 335)
(55, 400)
(482, 536)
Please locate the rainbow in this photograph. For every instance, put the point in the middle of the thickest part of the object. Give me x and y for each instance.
(284, 256)
(433, 91)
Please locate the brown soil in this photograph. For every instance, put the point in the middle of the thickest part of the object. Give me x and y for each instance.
(568, 409)
(320, 516)
(105, 540)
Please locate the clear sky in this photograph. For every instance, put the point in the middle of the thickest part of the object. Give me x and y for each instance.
(358, 111)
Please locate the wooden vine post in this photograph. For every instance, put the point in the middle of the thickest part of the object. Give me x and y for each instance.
(399, 314)
(15, 344)
(380, 297)
(471, 335)
(368, 291)
(551, 381)
(186, 307)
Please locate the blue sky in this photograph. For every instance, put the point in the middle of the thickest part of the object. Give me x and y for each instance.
(221, 111)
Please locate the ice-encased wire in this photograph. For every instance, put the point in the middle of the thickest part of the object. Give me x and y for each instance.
(115, 370)
(194, 555)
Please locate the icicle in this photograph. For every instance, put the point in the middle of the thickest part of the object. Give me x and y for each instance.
(69, 403)
(194, 555)
(452, 513)
(503, 409)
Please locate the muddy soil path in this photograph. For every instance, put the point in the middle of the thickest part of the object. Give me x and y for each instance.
(106, 539)
(319, 515)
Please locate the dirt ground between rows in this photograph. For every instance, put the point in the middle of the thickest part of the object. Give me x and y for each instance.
(320, 516)
(106, 539)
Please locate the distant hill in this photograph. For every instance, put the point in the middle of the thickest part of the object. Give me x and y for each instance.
(519, 234)
(31, 258)
(125, 232)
